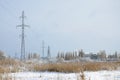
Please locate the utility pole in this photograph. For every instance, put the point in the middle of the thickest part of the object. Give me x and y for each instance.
(22, 26)
(43, 47)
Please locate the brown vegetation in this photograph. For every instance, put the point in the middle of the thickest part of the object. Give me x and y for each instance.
(77, 67)
(9, 65)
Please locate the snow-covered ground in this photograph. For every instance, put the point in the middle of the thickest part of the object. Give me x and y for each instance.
(98, 75)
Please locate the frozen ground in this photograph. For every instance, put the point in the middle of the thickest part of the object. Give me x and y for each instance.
(98, 75)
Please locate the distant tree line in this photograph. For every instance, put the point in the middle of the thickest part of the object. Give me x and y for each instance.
(70, 55)
(101, 55)
(33, 56)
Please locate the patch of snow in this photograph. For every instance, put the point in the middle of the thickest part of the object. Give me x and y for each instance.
(98, 75)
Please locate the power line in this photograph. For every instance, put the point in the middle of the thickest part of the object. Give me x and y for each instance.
(4, 22)
(6, 9)
(8, 3)
(23, 37)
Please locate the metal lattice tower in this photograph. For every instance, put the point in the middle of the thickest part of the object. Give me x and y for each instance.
(48, 52)
(22, 26)
(43, 47)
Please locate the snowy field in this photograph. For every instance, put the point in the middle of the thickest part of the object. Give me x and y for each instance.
(98, 75)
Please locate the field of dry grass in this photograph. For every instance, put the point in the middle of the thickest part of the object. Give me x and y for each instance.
(77, 67)
(11, 65)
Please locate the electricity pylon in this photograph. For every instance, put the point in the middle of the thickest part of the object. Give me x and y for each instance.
(22, 26)
(48, 52)
(43, 47)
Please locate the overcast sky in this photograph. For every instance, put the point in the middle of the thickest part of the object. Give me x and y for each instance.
(64, 25)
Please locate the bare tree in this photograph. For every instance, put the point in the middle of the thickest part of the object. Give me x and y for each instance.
(81, 53)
